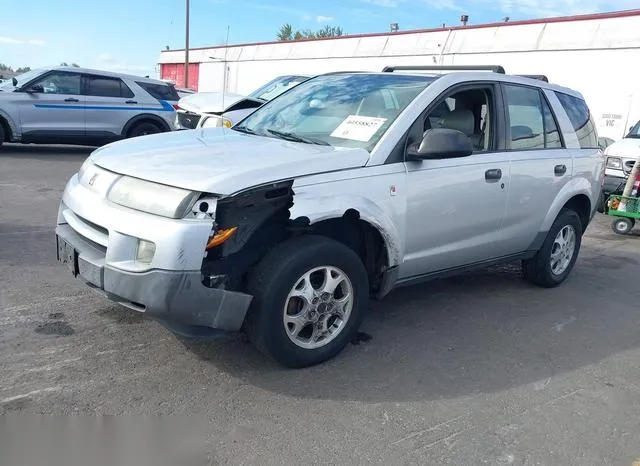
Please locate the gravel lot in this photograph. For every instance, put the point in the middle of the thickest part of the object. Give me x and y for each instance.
(479, 369)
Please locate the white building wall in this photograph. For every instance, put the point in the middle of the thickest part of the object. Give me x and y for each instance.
(598, 57)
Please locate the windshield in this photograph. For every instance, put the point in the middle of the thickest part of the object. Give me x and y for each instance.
(348, 110)
(635, 131)
(276, 87)
(22, 79)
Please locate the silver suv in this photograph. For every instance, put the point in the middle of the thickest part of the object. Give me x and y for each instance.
(343, 188)
(78, 106)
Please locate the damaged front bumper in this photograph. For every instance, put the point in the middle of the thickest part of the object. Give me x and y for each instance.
(176, 298)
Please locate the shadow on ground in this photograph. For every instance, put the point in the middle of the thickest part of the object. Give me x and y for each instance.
(478, 333)
(34, 151)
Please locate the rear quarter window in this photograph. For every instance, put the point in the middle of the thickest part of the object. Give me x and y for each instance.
(160, 91)
(581, 119)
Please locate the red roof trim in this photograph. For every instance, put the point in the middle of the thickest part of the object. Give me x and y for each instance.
(559, 19)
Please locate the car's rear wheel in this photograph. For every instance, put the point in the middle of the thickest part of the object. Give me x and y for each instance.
(143, 129)
(309, 297)
(622, 225)
(553, 263)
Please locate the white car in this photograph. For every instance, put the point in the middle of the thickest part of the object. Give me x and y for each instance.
(342, 189)
(621, 157)
(226, 109)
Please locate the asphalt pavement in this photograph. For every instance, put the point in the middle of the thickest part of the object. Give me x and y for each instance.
(477, 369)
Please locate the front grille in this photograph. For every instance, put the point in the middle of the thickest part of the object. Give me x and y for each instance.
(90, 232)
(628, 166)
(188, 120)
(102, 230)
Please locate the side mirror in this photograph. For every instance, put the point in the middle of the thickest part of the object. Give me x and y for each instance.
(35, 89)
(14, 81)
(441, 143)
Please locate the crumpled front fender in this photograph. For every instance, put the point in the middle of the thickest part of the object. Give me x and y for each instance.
(317, 208)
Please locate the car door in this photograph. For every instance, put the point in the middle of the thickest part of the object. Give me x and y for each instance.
(540, 165)
(455, 207)
(110, 105)
(52, 107)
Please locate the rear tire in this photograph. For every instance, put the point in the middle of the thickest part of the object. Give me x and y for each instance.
(295, 317)
(623, 225)
(553, 263)
(143, 129)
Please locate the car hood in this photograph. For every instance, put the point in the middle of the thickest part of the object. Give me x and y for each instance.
(210, 102)
(220, 160)
(628, 148)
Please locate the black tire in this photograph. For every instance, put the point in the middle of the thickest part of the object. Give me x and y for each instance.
(143, 129)
(538, 270)
(623, 225)
(273, 279)
(2, 135)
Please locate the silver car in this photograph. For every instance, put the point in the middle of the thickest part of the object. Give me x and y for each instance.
(79, 106)
(341, 189)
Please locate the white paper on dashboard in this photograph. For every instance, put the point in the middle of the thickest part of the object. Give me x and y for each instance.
(358, 128)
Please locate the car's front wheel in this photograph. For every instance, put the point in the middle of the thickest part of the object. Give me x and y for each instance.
(309, 297)
(554, 261)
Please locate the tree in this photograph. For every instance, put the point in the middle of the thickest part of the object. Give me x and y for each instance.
(24, 69)
(4, 67)
(285, 32)
(75, 65)
(329, 31)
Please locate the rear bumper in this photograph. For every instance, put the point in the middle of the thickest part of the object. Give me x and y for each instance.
(175, 297)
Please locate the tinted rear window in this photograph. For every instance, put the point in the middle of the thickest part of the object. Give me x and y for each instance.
(581, 120)
(107, 87)
(160, 91)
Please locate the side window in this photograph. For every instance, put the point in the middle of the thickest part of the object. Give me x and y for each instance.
(58, 83)
(580, 118)
(470, 112)
(160, 91)
(532, 123)
(552, 137)
(107, 87)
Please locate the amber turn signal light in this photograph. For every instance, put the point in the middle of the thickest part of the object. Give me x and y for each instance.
(221, 237)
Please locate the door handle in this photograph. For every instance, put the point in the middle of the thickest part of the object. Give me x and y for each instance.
(130, 102)
(495, 174)
(71, 99)
(560, 170)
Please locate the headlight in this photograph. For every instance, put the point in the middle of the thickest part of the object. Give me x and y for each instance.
(215, 121)
(83, 170)
(614, 162)
(152, 198)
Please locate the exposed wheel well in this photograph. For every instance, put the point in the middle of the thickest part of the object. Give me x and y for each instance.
(581, 205)
(360, 236)
(7, 130)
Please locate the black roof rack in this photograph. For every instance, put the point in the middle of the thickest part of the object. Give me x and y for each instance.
(494, 68)
(540, 77)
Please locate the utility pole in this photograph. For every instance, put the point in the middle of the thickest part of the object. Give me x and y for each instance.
(186, 49)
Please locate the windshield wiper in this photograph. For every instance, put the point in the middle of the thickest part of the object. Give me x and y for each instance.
(243, 129)
(295, 138)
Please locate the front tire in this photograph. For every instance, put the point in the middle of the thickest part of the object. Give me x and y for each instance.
(623, 225)
(309, 298)
(553, 263)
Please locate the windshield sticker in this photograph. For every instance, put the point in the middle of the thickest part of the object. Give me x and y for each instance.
(358, 128)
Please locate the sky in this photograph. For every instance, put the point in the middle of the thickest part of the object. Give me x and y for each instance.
(127, 35)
